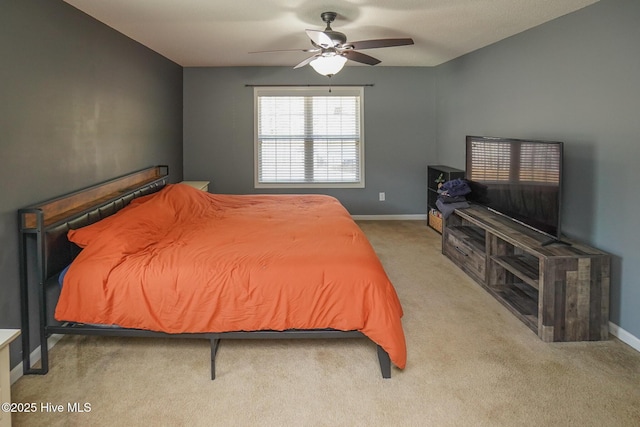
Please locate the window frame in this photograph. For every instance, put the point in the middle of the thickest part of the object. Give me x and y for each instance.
(357, 91)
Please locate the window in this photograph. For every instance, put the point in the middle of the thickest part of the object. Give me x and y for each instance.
(308, 137)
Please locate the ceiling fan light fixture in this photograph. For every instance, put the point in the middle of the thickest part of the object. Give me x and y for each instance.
(328, 65)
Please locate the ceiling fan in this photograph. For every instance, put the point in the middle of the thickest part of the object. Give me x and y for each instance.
(332, 49)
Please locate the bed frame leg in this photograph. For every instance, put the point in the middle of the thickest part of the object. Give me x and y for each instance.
(25, 321)
(214, 349)
(385, 363)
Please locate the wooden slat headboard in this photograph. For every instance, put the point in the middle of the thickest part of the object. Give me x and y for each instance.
(56, 209)
(48, 222)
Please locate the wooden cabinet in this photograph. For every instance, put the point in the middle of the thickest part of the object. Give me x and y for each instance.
(435, 175)
(560, 291)
(6, 336)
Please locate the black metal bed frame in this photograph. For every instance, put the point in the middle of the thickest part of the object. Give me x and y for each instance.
(44, 227)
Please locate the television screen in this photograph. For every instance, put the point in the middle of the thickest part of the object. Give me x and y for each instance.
(520, 179)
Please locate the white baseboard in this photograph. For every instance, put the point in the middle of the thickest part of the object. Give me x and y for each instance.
(405, 217)
(624, 336)
(16, 372)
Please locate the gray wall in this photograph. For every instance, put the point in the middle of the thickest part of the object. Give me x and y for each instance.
(399, 131)
(575, 79)
(80, 103)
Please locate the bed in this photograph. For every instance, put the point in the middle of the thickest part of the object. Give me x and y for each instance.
(137, 256)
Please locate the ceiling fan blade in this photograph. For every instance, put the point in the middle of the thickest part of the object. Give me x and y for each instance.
(372, 44)
(360, 57)
(286, 50)
(320, 38)
(305, 62)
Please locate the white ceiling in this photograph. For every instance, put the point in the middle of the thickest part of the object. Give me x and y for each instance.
(220, 33)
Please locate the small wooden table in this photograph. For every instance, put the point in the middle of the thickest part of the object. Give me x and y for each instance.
(6, 336)
(200, 185)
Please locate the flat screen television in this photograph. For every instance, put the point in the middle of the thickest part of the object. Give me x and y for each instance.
(520, 179)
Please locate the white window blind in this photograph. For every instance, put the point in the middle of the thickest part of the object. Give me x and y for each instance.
(308, 137)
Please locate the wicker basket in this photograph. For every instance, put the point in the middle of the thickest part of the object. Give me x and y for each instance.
(435, 222)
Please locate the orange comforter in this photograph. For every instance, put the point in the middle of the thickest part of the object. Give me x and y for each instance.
(183, 260)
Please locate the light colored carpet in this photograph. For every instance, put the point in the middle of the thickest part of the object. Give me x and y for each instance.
(470, 363)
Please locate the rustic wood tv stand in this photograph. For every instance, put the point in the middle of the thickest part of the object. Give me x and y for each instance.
(560, 290)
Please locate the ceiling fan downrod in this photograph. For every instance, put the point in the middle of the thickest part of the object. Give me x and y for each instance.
(328, 17)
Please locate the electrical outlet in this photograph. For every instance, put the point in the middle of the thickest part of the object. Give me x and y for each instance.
(381, 196)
